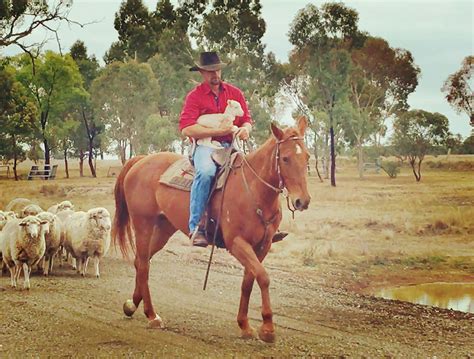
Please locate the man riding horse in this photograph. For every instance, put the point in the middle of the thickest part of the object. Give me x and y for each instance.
(210, 96)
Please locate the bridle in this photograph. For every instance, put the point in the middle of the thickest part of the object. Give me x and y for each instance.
(281, 184)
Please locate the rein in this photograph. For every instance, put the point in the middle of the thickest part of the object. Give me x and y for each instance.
(280, 189)
(281, 184)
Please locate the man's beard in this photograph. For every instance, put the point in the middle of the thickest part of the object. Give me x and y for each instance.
(215, 82)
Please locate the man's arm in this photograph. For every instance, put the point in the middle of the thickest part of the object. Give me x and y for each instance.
(197, 131)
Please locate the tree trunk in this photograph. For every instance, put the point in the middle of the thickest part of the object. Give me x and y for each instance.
(416, 171)
(360, 159)
(91, 165)
(131, 150)
(316, 162)
(81, 163)
(121, 150)
(66, 165)
(333, 157)
(14, 158)
(47, 151)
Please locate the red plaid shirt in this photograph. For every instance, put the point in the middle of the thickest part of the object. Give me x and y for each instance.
(202, 101)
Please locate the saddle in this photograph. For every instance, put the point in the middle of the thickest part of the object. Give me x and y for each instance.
(180, 175)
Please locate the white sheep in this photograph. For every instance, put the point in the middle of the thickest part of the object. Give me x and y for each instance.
(61, 207)
(216, 120)
(5, 216)
(88, 235)
(23, 245)
(64, 216)
(16, 205)
(31, 210)
(53, 240)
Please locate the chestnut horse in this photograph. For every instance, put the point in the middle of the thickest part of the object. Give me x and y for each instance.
(251, 206)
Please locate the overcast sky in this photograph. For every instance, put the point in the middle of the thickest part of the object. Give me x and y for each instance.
(439, 34)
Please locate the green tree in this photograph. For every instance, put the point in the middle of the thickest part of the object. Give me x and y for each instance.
(55, 84)
(90, 126)
(159, 134)
(17, 118)
(468, 145)
(133, 24)
(142, 33)
(380, 82)
(458, 89)
(123, 96)
(417, 132)
(232, 25)
(320, 62)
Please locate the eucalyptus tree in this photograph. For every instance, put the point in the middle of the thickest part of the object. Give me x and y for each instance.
(124, 95)
(381, 80)
(55, 83)
(17, 118)
(321, 63)
(90, 126)
(458, 89)
(417, 132)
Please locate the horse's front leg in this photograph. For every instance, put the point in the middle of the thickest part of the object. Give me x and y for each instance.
(246, 255)
(247, 331)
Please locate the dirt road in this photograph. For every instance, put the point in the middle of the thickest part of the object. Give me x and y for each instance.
(68, 315)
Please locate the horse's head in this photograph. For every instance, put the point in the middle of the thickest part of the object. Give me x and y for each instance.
(292, 158)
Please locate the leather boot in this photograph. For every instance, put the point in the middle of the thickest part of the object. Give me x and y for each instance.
(198, 238)
(278, 236)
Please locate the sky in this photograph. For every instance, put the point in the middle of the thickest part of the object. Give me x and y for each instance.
(439, 34)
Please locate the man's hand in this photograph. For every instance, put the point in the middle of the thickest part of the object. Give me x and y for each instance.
(224, 129)
(243, 133)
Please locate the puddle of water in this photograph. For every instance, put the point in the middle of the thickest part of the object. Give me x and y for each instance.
(457, 296)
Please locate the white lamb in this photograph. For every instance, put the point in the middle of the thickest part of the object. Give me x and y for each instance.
(31, 210)
(16, 205)
(53, 240)
(23, 245)
(88, 235)
(216, 120)
(61, 207)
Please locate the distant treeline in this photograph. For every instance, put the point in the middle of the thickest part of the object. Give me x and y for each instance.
(348, 83)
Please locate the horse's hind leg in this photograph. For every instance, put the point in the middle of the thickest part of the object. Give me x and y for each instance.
(162, 231)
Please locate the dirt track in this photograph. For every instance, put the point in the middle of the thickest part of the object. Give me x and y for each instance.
(68, 315)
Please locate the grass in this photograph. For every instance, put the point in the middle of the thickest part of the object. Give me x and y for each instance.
(376, 222)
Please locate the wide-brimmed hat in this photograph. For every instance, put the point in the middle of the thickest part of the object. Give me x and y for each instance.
(208, 61)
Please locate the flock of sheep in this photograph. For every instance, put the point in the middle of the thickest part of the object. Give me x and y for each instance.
(30, 236)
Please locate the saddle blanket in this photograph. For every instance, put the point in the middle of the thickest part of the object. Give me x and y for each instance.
(179, 175)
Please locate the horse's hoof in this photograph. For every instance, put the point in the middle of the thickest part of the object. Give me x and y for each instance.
(266, 335)
(156, 323)
(248, 333)
(129, 307)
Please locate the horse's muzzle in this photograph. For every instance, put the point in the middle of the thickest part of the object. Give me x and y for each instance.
(301, 204)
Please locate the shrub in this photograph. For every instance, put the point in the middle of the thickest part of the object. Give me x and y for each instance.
(391, 168)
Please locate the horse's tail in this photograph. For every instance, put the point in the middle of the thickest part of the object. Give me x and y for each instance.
(121, 229)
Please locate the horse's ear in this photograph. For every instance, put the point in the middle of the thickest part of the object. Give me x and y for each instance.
(302, 124)
(277, 132)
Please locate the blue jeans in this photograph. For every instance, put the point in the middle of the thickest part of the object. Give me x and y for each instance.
(205, 172)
